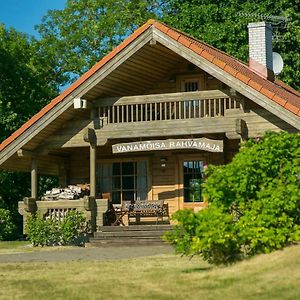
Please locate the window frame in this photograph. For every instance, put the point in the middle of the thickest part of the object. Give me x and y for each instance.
(148, 188)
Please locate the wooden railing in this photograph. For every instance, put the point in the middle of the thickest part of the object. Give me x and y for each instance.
(92, 209)
(176, 106)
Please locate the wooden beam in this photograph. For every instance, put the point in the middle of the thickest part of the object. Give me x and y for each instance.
(90, 136)
(241, 128)
(25, 153)
(41, 152)
(211, 94)
(152, 42)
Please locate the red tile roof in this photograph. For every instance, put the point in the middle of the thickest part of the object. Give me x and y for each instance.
(276, 91)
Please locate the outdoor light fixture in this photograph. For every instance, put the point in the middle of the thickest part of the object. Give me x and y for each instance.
(80, 103)
(172, 79)
(163, 161)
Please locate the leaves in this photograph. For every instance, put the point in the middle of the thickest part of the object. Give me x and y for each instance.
(254, 204)
(7, 228)
(49, 232)
(24, 88)
(82, 33)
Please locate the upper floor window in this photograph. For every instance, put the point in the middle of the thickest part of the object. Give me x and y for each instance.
(191, 86)
(190, 83)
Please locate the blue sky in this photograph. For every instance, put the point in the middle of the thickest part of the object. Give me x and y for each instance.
(24, 14)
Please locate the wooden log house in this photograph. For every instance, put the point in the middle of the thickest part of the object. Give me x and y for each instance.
(146, 120)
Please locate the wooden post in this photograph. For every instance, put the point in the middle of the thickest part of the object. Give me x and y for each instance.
(63, 173)
(34, 178)
(93, 155)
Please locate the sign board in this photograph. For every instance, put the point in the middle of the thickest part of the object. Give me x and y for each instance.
(171, 144)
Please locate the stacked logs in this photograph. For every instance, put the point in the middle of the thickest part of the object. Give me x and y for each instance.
(69, 193)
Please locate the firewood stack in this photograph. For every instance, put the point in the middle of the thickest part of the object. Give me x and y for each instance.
(69, 193)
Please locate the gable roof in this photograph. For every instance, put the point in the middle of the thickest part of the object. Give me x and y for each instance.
(276, 91)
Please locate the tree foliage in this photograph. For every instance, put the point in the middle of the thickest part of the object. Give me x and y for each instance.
(219, 23)
(84, 31)
(25, 87)
(254, 203)
(75, 38)
(7, 227)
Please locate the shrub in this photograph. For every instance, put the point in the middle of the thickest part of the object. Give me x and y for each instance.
(72, 227)
(254, 204)
(42, 232)
(209, 233)
(7, 227)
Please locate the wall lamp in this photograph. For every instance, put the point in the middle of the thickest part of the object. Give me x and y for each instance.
(163, 162)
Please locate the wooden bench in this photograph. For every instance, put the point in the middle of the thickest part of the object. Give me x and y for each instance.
(144, 208)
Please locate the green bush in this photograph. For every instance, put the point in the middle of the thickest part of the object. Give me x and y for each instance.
(48, 232)
(254, 204)
(7, 227)
(72, 227)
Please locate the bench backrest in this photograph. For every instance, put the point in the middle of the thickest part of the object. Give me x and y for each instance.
(143, 205)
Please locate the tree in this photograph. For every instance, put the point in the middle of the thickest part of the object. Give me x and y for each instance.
(253, 204)
(82, 33)
(219, 23)
(25, 87)
(78, 36)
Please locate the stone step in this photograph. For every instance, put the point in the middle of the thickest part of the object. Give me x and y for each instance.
(125, 242)
(135, 228)
(133, 235)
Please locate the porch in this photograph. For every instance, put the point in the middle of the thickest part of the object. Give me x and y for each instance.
(85, 151)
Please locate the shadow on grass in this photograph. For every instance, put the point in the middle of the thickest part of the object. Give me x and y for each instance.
(197, 270)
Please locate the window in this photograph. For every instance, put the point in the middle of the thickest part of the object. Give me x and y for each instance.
(191, 86)
(193, 175)
(123, 180)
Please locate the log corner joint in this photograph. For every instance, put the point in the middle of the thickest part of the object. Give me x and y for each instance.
(90, 136)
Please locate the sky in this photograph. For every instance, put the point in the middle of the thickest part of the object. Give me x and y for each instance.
(24, 14)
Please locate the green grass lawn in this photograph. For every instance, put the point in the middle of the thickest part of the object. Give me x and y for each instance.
(273, 276)
(23, 247)
(14, 246)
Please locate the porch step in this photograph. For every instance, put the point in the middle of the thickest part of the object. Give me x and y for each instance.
(134, 235)
(128, 233)
(126, 242)
(135, 228)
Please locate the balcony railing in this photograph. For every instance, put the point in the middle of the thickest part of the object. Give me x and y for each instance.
(176, 106)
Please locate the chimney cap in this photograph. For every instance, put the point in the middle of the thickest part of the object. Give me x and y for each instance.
(259, 24)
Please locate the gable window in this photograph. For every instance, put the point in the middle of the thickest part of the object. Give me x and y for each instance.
(190, 83)
(191, 86)
(123, 180)
(191, 106)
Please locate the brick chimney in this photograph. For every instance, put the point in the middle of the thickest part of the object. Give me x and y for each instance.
(260, 49)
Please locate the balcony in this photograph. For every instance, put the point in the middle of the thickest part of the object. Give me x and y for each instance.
(176, 106)
(167, 114)
(148, 116)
